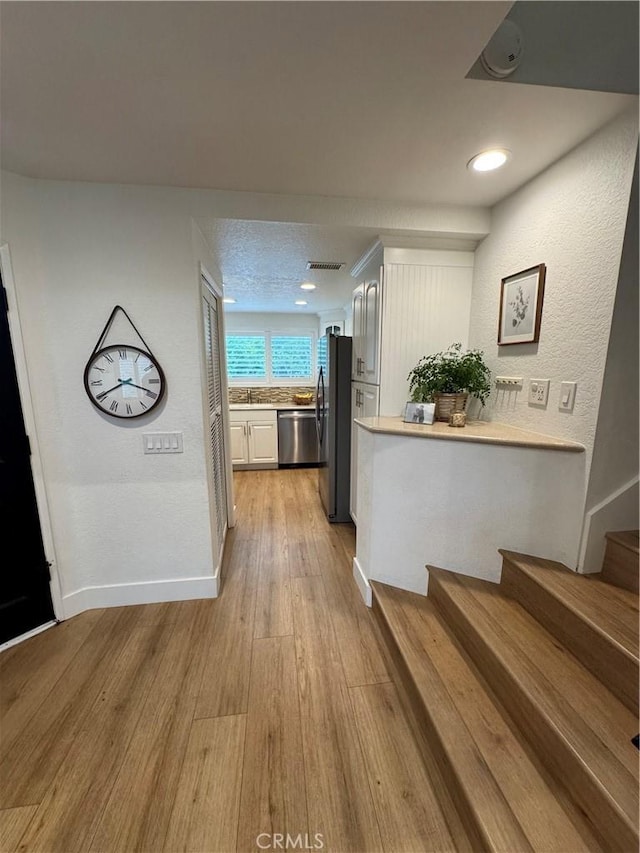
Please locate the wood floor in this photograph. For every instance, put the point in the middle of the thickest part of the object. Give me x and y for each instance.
(220, 725)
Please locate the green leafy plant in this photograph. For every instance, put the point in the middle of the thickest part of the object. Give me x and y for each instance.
(450, 372)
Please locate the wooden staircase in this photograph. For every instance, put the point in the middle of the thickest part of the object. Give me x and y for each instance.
(523, 697)
(620, 565)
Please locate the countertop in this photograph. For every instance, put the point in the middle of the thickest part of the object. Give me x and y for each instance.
(482, 432)
(267, 407)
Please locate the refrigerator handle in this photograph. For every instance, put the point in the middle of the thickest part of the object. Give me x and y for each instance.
(320, 406)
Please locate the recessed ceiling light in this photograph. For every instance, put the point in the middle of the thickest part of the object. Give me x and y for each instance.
(486, 161)
(229, 300)
(308, 286)
(300, 302)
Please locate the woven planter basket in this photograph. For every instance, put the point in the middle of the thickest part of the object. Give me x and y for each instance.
(446, 404)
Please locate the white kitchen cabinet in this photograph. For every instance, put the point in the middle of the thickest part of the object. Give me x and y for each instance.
(367, 318)
(263, 442)
(239, 445)
(372, 303)
(254, 438)
(357, 309)
(364, 404)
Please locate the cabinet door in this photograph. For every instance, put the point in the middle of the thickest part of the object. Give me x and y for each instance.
(239, 454)
(358, 332)
(371, 331)
(369, 401)
(357, 411)
(263, 441)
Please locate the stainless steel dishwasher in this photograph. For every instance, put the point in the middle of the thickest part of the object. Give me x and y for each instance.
(297, 437)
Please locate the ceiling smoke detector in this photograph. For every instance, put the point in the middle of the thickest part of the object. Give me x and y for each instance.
(502, 55)
(325, 265)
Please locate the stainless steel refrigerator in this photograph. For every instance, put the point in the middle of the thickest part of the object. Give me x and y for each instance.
(333, 422)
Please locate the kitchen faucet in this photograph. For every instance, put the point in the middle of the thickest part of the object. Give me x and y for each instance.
(249, 396)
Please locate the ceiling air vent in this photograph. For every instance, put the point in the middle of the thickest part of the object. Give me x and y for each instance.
(324, 265)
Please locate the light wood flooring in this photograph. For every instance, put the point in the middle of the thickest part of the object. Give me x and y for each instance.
(220, 725)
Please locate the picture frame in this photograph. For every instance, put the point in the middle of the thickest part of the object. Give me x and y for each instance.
(419, 413)
(521, 298)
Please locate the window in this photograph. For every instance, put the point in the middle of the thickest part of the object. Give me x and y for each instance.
(247, 357)
(271, 358)
(322, 353)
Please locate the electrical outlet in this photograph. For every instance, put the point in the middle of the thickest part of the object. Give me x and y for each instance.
(567, 396)
(539, 392)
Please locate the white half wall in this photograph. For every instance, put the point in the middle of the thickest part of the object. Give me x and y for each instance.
(453, 504)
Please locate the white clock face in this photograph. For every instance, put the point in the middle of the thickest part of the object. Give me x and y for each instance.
(123, 381)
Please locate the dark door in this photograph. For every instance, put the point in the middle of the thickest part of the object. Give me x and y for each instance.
(25, 597)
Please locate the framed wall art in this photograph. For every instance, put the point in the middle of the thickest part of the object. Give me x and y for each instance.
(521, 297)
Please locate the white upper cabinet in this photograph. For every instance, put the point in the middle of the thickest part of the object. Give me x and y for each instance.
(372, 302)
(357, 308)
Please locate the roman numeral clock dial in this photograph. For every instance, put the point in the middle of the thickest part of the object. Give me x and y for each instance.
(123, 382)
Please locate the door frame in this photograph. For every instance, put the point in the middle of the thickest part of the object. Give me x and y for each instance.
(37, 471)
(207, 281)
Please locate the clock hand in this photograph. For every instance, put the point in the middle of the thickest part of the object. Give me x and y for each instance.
(122, 382)
(103, 394)
(133, 385)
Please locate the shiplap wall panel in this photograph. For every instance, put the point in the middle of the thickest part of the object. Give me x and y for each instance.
(426, 308)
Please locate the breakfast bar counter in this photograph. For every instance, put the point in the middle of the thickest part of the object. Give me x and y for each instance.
(450, 497)
(483, 432)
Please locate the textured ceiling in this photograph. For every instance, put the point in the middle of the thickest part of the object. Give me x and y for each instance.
(263, 264)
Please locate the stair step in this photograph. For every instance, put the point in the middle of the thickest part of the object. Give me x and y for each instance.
(571, 720)
(620, 564)
(506, 801)
(597, 622)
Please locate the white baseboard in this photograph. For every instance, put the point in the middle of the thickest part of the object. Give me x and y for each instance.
(146, 592)
(362, 582)
(618, 511)
(23, 637)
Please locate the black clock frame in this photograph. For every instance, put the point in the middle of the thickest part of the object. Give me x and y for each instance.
(96, 354)
(99, 348)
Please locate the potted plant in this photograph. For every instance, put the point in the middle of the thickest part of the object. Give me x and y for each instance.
(447, 378)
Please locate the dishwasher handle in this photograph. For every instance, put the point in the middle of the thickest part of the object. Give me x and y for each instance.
(291, 416)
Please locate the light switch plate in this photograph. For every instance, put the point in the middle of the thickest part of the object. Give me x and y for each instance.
(162, 442)
(539, 392)
(567, 396)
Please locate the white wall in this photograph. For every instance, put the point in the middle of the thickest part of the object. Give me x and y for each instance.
(612, 494)
(615, 455)
(426, 307)
(572, 218)
(246, 321)
(129, 527)
(118, 517)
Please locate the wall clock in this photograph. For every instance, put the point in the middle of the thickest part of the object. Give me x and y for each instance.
(122, 380)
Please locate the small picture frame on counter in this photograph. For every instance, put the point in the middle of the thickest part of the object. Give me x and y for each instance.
(419, 413)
